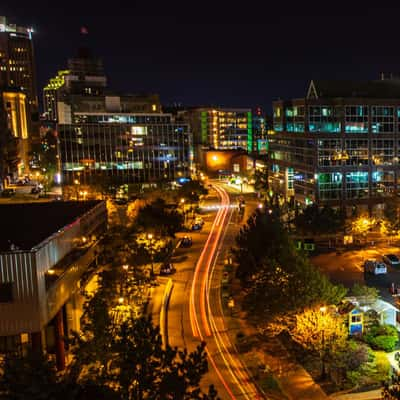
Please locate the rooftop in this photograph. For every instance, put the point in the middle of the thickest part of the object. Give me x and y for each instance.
(26, 225)
(379, 89)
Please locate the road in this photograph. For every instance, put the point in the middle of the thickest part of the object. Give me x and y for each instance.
(196, 312)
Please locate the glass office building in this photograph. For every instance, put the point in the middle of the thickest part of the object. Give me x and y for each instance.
(340, 145)
(126, 148)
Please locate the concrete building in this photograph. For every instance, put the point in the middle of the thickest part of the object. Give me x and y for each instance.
(45, 248)
(339, 145)
(17, 69)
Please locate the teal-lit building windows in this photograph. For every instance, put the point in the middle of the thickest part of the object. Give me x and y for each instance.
(278, 126)
(295, 127)
(322, 119)
(356, 119)
(382, 183)
(330, 185)
(356, 185)
(382, 119)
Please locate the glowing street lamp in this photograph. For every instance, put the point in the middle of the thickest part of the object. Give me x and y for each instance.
(323, 372)
(121, 300)
(150, 237)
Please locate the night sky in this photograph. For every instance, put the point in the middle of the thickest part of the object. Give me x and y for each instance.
(217, 52)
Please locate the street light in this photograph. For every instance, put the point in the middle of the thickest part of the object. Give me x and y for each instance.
(323, 372)
(150, 237)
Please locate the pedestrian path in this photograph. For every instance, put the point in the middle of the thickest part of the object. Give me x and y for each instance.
(371, 395)
(294, 381)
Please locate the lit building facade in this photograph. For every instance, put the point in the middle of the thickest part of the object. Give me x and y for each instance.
(222, 128)
(124, 148)
(17, 123)
(17, 68)
(83, 88)
(46, 250)
(340, 145)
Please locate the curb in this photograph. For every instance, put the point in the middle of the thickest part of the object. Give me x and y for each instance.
(164, 312)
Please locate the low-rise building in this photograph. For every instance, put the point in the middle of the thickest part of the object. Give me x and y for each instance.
(45, 249)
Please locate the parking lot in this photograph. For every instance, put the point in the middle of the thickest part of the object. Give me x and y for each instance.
(347, 268)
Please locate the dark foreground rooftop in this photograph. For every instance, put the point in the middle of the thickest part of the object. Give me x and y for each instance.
(26, 225)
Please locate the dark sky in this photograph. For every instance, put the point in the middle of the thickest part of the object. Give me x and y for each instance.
(217, 52)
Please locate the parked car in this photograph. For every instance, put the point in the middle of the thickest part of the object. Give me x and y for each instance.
(196, 227)
(8, 192)
(186, 242)
(392, 260)
(167, 269)
(375, 267)
(121, 201)
(199, 221)
(36, 190)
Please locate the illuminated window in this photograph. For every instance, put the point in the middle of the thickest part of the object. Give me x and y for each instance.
(356, 119)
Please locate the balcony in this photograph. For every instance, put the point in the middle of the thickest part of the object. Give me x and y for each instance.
(65, 276)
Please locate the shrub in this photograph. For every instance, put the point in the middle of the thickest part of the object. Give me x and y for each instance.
(383, 337)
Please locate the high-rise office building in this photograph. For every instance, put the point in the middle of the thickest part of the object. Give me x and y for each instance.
(340, 145)
(221, 128)
(17, 68)
(123, 148)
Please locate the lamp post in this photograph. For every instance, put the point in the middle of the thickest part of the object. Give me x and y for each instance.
(150, 237)
(184, 213)
(323, 372)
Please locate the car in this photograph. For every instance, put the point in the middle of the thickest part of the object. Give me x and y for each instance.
(199, 220)
(186, 242)
(8, 192)
(35, 190)
(121, 201)
(167, 269)
(375, 267)
(392, 260)
(196, 227)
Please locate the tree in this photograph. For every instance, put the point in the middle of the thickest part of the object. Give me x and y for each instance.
(275, 276)
(46, 157)
(30, 376)
(319, 332)
(391, 223)
(262, 238)
(191, 191)
(261, 180)
(319, 220)
(129, 356)
(366, 295)
(157, 217)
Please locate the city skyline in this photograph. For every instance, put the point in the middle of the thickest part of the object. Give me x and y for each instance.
(216, 54)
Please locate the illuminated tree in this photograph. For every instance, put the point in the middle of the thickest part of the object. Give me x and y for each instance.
(319, 330)
(362, 225)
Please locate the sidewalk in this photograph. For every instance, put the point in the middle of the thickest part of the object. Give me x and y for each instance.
(294, 381)
(371, 395)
